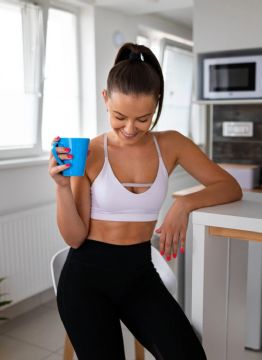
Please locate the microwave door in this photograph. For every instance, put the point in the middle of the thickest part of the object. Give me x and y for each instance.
(231, 80)
(235, 78)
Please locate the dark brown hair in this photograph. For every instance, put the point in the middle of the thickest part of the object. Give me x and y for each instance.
(137, 71)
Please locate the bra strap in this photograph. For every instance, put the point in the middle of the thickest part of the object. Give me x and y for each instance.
(105, 145)
(157, 146)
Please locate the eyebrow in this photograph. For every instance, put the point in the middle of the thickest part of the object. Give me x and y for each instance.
(117, 112)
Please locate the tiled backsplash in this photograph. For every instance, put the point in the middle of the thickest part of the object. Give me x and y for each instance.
(241, 150)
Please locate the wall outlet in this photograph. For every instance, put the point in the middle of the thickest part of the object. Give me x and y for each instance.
(238, 128)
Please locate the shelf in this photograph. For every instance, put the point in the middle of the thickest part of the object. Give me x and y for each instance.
(228, 102)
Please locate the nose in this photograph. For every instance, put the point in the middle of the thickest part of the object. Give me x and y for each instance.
(130, 127)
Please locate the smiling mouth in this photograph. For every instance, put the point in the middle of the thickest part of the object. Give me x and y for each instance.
(128, 135)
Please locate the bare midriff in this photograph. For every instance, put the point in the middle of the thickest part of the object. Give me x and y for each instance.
(121, 232)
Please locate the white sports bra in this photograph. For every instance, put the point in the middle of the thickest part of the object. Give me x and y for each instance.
(110, 200)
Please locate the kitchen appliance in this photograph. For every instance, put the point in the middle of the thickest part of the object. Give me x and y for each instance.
(232, 77)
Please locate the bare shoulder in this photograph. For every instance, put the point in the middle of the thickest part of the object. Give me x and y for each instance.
(170, 143)
(170, 137)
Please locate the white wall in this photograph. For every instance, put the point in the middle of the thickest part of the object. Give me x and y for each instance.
(25, 186)
(227, 25)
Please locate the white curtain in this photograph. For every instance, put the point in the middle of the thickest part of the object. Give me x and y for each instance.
(33, 46)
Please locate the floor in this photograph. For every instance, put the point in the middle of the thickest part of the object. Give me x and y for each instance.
(39, 335)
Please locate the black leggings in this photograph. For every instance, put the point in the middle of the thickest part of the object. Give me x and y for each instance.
(103, 283)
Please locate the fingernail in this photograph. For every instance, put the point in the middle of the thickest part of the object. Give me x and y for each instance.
(67, 165)
(174, 255)
(182, 250)
(162, 253)
(57, 138)
(168, 258)
(67, 149)
(69, 156)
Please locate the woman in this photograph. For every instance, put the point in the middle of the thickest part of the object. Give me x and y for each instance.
(108, 218)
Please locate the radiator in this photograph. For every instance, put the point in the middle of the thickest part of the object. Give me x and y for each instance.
(28, 239)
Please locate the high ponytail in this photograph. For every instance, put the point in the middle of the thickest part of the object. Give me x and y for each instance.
(137, 71)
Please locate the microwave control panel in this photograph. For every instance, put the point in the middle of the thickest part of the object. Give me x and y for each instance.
(238, 128)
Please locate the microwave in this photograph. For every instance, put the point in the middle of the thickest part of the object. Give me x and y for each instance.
(232, 77)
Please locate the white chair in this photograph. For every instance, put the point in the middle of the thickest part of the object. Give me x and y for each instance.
(167, 275)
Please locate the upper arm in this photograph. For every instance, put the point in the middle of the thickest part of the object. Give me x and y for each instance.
(195, 162)
(80, 186)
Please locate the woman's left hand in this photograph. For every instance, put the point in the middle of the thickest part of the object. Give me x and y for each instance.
(173, 230)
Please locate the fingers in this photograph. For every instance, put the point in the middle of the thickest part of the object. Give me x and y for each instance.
(54, 170)
(63, 154)
(182, 243)
(169, 243)
(57, 138)
(175, 245)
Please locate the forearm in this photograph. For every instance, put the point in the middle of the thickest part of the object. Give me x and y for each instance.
(70, 224)
(218, 193)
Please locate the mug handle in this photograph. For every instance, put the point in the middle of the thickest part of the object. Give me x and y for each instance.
(58, 160)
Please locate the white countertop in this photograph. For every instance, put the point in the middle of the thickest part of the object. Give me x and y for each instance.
(245, 214)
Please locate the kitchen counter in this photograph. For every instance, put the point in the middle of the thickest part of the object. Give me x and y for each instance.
(215, 226)
(196, 188)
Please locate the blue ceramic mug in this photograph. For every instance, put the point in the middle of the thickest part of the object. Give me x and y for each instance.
(78, 148)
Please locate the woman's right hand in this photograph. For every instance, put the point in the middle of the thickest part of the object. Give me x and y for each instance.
(55, 169)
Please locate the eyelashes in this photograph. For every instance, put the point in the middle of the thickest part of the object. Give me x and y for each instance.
(142, 121)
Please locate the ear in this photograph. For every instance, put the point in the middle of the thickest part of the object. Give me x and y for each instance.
(105, 95)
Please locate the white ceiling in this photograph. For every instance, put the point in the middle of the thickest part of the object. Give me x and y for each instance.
(177, 10)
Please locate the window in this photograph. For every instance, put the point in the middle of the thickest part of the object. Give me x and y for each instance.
(61, 90)
(37, 105)
(18, 102)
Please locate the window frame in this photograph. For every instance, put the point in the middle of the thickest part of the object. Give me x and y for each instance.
(36, 151)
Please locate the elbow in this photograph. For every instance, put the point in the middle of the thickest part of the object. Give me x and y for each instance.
(74, 240)
(74, 243)
(238, 193)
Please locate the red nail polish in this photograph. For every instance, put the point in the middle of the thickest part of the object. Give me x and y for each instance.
(57, 138)
(67, 149)
(67, 165)
(182, 250)
(168, 258)
(174, 255)
(69, 156)
(162, 252)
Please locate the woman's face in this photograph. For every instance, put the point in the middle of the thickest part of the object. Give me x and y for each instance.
(130, 116)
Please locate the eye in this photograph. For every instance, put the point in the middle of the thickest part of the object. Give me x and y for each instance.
(118, 118)
(143, 121)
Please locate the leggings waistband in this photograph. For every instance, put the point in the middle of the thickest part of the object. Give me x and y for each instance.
(103, 254)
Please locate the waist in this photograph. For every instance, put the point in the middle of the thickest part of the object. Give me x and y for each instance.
(101, 255)
(122, 232)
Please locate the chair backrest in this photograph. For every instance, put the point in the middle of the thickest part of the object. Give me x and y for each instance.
(57, 263)
(165, 272)
(167, 275)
